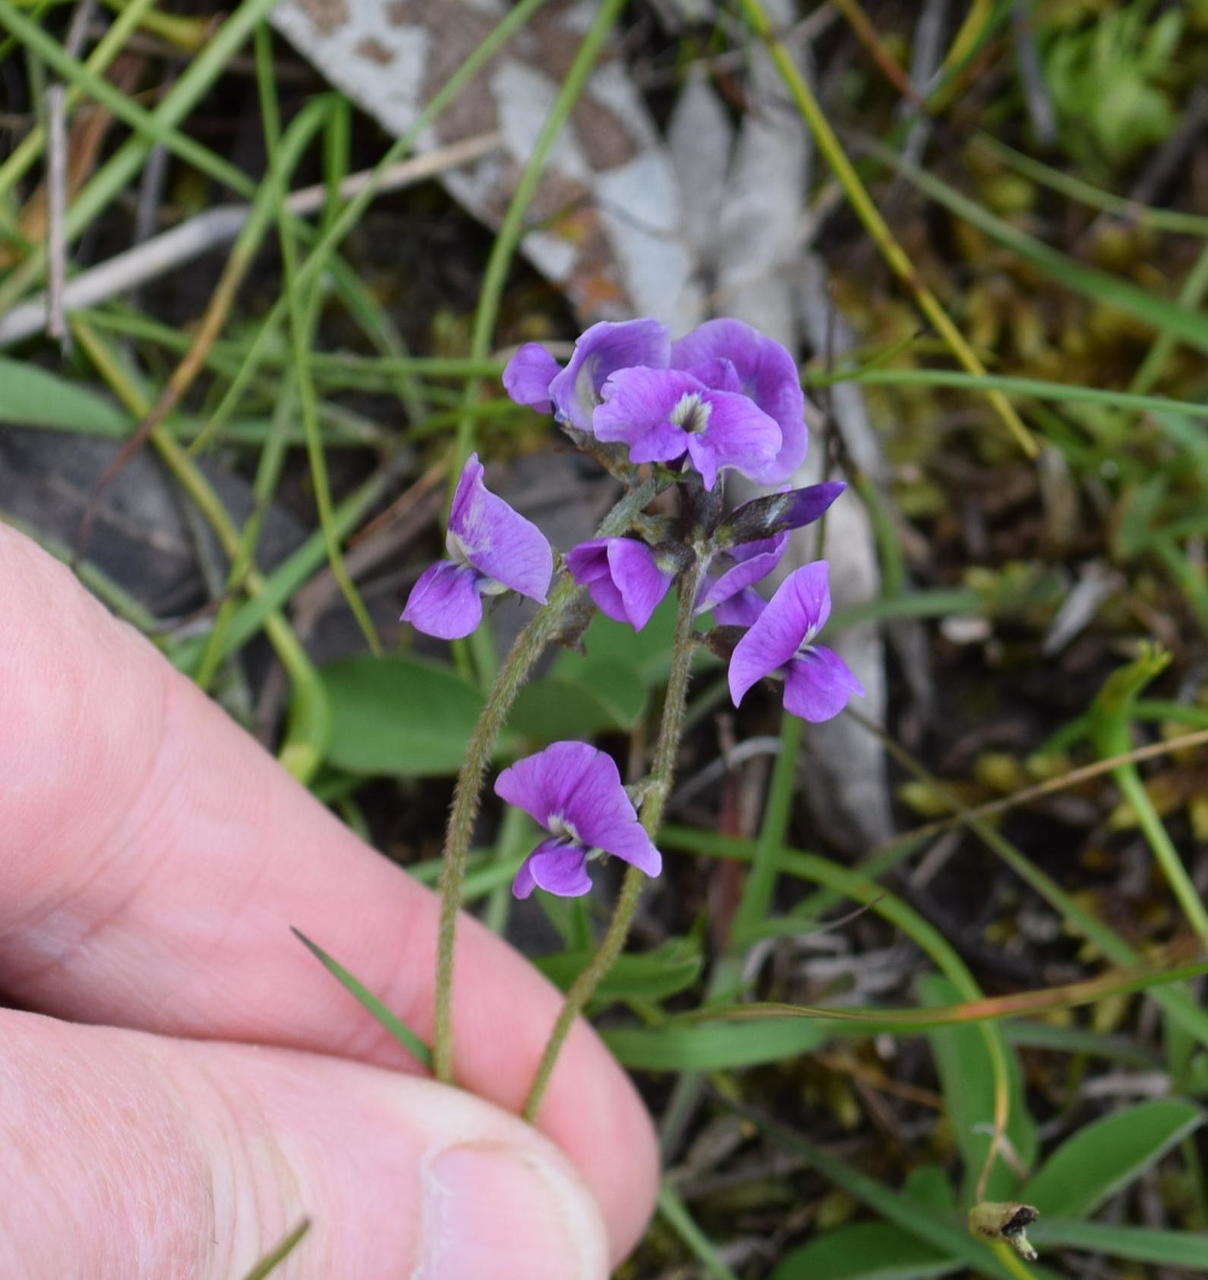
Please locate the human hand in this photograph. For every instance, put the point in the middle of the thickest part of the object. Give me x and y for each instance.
(199, 1084)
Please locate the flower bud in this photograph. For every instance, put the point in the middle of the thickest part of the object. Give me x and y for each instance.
(1004, 1220)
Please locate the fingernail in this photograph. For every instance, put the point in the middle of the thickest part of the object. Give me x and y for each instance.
(494, 1212)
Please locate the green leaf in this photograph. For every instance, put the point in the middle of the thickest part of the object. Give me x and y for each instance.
(621, 652)
(1105, 1156)
(552, 708)
(32, 397)
(1140, 1244)
(865, 1251)
(394, 1025)
(928, 1185)
(966, 1071)
(653, 975)
(398, 715)
(715, 1046)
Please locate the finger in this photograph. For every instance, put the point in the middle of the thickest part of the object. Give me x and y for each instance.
(152, 857)
(126, 1156)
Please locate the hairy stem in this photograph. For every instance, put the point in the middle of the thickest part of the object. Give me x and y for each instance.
(528, 647)
(661, 776)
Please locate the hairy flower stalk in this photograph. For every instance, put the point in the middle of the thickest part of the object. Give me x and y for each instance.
(661, 776)
(528, 647)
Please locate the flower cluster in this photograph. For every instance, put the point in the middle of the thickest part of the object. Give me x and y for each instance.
(723, 398)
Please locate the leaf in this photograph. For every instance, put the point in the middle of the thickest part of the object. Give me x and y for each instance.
(552, 708)
(392, 1024)
(1105, 1156)
(653, 975)
(966, 1071)
(398, 715)
(32, 397)
(865, 1251)
(714, 1046)
(620, 653)
(928, 1185)
(1141, 1244)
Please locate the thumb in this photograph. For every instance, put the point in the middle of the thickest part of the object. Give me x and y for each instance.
(126, 1156)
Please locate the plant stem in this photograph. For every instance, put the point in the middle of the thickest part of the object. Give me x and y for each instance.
(662, 773)
(528, 647)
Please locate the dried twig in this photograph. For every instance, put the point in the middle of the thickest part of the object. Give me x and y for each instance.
(56, 182)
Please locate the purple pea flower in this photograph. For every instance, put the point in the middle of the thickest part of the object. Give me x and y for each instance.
(728, 355)
(575, 793)
(750, 563)
(492, 548)
(729, 593)
(817, 682)
(534, 378)
(622, 576)
(661, 414)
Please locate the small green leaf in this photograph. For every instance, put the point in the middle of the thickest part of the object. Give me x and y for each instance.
(395, 1026)
(398, 715)
(715, 1046)
(653, 975)
(1105, 1156)
(966, 1072)
(865, 1251)
(32, 397)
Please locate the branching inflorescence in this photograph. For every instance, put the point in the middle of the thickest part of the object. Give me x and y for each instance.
(659, 415)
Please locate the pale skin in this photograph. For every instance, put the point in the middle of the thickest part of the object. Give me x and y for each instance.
(180, 1082)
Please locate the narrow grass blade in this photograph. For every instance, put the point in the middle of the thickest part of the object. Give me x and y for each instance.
(402, 1033)
(1167, 317)
(1139, 1244)
(675, 1211)
(922, 1018)
(876, 226)
(270, 1262)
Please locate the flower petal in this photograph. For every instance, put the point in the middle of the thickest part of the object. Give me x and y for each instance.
(754, 561)
(819, 684)
(738, 434)
(445, 601)
(638, 578)
(766, 372)
(556, 867)
(599, 352)
(739, 610)
(777, 512)
(527, 376)
(799, 608)
(543, 784)
(622, 576)
(637, 409)
(498, 541)
(581, 786)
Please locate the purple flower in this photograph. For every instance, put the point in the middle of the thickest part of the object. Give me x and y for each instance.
(491, 548)
(817, 682)
(751, 562)
(729, 355)
(575, 793)
(661, 414)
(534, 378)
(527, 376)
(622, 576)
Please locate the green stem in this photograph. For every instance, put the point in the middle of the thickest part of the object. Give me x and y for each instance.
(528, 647)
(661, 776)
